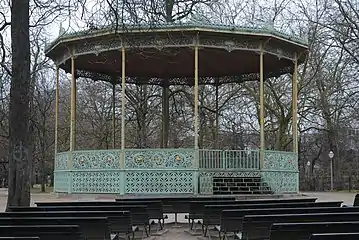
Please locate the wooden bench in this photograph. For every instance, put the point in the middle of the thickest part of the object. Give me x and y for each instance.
(19, 238)
(212, 213)
(334, 236)
(233, 220)
(44, 232)
(138, 213)
(154, 208)
(120, 221)
(197, 208)
(303, 231)
(258, 226)
(356, 200)
(178, 204)
(92, 228)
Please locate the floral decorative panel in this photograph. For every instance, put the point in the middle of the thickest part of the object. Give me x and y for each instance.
(97, 159)
(96, 182)
(176, 181)
(159, 158)
(276, 160)
(61, 161)
(281, 181)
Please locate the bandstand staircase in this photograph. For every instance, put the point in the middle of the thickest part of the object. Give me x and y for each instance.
(240, 185)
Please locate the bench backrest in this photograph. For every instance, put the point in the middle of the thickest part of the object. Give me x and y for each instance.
(258, 226)
(303, 231)
(91, 227)
(120, 221)
(356, 200)
(212, 213)
(19, 238)
(154, 208)
(139, 214)
(233, 219)
(44, 232)
(334, 236)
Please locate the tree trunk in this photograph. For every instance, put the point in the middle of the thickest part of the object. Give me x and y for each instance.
(19, 156)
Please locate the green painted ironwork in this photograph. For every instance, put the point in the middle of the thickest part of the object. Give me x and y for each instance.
(62, 161)
(61, 181)
(229, 159)
(159, 158)
(96, 159)
(280, 171)
(159, 181)
(235, 29)
(105, 181)
(168, 171)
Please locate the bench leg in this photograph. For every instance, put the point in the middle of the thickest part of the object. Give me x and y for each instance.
(160, 223)
(149, 230)
(225, 237)
(205, 230)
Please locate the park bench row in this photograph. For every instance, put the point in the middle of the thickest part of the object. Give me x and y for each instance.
(284, 221)
(83, 220)
(94, 220)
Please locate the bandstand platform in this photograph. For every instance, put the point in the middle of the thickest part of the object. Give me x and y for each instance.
(168, 55)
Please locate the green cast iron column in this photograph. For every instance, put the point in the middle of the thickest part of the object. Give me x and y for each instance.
(123, 99)
(196, 150)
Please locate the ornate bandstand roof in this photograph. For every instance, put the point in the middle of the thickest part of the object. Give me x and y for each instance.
(164, 54)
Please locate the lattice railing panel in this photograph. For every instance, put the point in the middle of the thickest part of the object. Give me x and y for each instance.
(159, 158)
(96, 182)
(163, 182)
(62, 181)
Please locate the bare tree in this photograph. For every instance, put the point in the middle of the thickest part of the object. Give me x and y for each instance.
(19, 158)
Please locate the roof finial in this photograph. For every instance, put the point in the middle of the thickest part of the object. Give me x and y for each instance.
(62, 30)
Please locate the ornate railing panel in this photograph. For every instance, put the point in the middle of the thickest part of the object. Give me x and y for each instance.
(228, 159)
(96, 181)
(168, 171)
(280, 171)
(62, 161)
(159, 158)
(159, 181)
(96, 159)
(61, 181)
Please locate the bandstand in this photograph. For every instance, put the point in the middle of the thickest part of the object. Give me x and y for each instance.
(176, 55)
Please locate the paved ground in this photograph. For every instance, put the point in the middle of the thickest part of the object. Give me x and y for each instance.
(174, 232)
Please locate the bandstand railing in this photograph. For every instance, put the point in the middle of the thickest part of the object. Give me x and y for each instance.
(168, 171)
(228, 159)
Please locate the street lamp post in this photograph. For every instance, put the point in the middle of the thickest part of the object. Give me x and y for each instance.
(331, 155)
